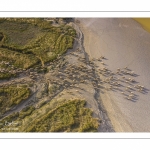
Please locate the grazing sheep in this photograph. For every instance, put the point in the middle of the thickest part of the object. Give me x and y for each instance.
(129, 98)
(129, 87)
(141, 89)
(131, 95)
(102, 57)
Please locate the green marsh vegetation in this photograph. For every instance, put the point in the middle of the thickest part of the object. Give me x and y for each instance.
(11, 96)
(30, 43)
(68, 116)
(26, 42)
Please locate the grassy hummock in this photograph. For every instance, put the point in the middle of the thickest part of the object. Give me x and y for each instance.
(26, 42)
(11, 96)
(69, 116)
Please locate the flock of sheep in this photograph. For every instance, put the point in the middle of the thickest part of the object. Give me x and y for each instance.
(122, 80)
(70, 75)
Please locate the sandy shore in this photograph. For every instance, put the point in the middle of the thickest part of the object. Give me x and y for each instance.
(124, 43)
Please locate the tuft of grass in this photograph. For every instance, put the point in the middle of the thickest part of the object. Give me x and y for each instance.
(26, 112)
(7, 75)
(53, 88)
